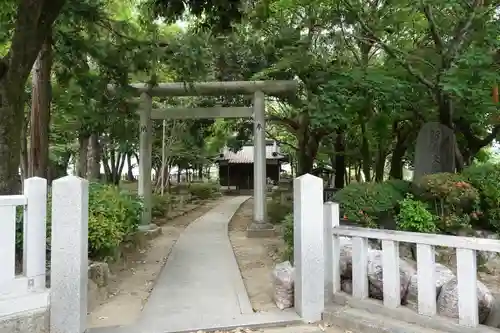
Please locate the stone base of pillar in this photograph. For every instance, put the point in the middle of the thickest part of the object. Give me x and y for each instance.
(261, 230)
(147, 227)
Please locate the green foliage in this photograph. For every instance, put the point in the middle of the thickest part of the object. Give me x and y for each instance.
(450, 193)
(160, 205)
(204, 191)
(364, 202)
(277, 211)
(486, 178)
(402, 186)
(414, 216)
(113, 215)
(288, 237)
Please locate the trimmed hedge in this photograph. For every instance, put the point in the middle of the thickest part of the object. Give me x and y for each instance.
(365, 202)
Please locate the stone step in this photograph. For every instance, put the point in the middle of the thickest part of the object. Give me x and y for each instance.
(362, 321)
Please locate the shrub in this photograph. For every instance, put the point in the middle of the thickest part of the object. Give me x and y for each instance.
(113, 215)
(402, 186)
(414, 216)
(486, 179)
(450, 193)
(204, 191)
(288, 237)
(277, 211)
(365, 202)
(160, 205)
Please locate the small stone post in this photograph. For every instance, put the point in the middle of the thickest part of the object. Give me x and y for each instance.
(34, 243)
(69, 255)
(308, 249)
(145, 151)
(331, 250)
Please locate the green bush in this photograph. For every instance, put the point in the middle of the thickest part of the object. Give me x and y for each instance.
(113, 215)
(486, 179)
(365, 202)
(449, 193)
(160, 205)
(414, 216)
(277, 211)
(402, 186)
(204, 191)
(288, 237)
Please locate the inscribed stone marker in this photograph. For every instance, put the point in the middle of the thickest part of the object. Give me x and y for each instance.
(435, 150)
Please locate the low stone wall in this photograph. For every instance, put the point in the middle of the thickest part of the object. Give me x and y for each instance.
(26, 322)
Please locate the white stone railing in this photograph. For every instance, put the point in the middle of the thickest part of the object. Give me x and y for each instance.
(67, 297)
(317, 259)
(15, 289)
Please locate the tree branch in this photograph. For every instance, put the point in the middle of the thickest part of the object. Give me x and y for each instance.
(293, 125)
(436, 37)
(392, 53)
(281, 142)
(473, 140)
(461, 30)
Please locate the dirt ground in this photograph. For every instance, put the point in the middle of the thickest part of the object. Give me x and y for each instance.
(134, 277)
(256, 258)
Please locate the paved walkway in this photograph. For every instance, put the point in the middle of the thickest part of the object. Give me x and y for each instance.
(200, 286)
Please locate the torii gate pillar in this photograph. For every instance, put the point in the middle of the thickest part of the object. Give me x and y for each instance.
(260, 227)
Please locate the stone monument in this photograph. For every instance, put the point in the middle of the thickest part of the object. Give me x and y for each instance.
(435, 150)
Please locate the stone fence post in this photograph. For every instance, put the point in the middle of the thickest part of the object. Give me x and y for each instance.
(69, 255)
(308, 249)
(35, 235)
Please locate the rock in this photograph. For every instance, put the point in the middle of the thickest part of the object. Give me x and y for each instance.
(99, 273)
(493, 319)
(345, 257)
(447, 302)
(375, 276)
(97, 288)
(443, 275)
(346, 286)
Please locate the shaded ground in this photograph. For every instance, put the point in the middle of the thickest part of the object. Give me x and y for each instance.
(256, 258)
(134, 277)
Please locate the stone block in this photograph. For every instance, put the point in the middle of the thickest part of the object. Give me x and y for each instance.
(69, 255)
(308, 230)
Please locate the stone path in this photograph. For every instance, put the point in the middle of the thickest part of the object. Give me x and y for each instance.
(200, 286)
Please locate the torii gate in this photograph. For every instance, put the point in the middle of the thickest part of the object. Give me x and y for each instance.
(257, 89)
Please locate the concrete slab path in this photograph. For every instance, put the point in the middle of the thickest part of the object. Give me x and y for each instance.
(200, 286)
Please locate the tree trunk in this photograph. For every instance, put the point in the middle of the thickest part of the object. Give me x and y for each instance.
(94, 158)
(366, 160)
(83, 144)
(308, 144)
(40, 112)
(445, 106)
(24, 150)
(357, 172)
(58, 168)
(130, 173)
(10, 143)
(380, 164)
(397, 160)
(33, 24)
(339, 160)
